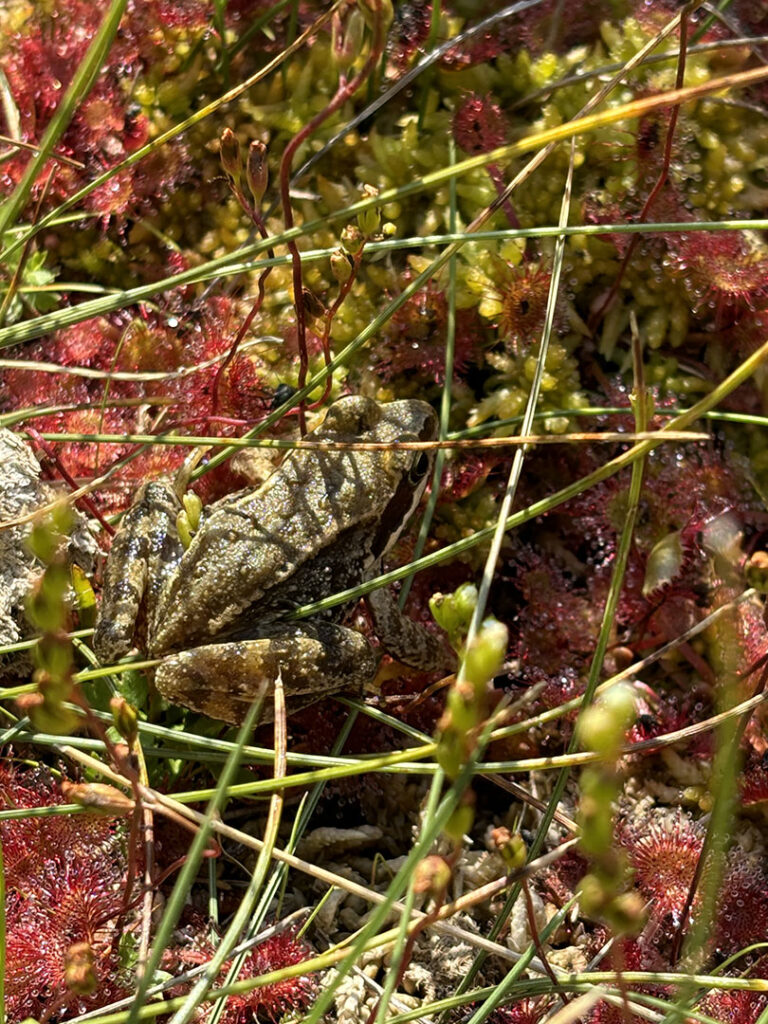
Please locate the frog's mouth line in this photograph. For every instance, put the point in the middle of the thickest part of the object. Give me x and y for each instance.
(400, 509)
(412, 485)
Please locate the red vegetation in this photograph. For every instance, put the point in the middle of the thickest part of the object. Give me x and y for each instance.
(479, 125)
(65, 881)
(560, 880)
(557, 573)
(40, 62)
(465, 474)
(65, 906)
(409, 31)
(720, 270)
(557, 620)
(743, 906)
(414, 339)
(664, 857)
(754, 783)
(733, 1007)
(626, 955)
(182, 356)
(527, 1011)
(524, 296)
(274, 1000)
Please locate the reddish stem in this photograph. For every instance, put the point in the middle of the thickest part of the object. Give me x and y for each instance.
(536, 939)
(345, 91)
(244, 327)
(494, 172)
(83, 501)
(331, 313)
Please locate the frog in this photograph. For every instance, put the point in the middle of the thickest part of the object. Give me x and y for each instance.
(218, 615)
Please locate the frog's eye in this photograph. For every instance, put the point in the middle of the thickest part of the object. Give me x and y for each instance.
(419, 467)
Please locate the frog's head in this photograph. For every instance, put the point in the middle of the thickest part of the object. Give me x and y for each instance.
(399, 476)
(365, 419)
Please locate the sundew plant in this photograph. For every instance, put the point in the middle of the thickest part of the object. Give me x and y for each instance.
(548, 221)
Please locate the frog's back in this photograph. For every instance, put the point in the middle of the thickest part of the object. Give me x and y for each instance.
(260, 546)
(247, 550)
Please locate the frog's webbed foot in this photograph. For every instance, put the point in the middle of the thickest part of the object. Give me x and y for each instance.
(145, 549)
(407, 641)
(314, 660)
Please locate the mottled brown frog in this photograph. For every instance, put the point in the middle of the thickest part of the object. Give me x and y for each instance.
(219, 613)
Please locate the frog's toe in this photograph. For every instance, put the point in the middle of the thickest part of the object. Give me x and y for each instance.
(407, 641)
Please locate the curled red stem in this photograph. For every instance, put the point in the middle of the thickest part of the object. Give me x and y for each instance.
(345, 91)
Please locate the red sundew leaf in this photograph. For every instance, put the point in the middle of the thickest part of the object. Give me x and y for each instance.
(275, 1000)
(526, 1011)
(665, 857)
(659, 716)
(158, 174)
(503, 37)
(115, 197)
(409, 30)
(559, 689)
(150, 342)
(557, 620)
(82, 892)
(414, 340)
(598, 210)
(292, 995)
(742, 916)
(465, 475)
(65, 879)
(247, 394)
(35, 953)
(550, 27)
(733, 1007)
(479, 125)
(90, 343)
(36, 957)
(561, 879)
(720, 270)
(39, 63)
(631, 955)
(182, 13)
(100, 111)
(148, 346)
(753, 784)
(29, 842)
(524, 296)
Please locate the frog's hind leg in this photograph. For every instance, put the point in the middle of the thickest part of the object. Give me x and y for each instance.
(314, 660)
(145, 550)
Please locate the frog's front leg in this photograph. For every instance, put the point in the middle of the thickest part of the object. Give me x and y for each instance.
(407, 641)
(145, 550)
(314, 660)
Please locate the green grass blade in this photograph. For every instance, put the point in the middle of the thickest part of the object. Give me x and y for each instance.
(189, 870)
